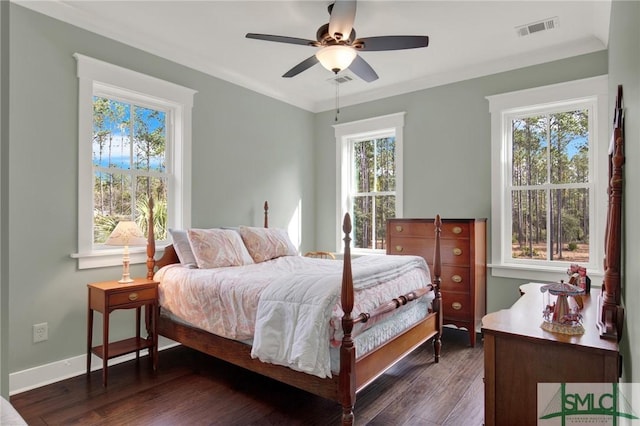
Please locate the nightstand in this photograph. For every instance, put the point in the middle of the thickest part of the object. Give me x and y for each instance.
(108, 296)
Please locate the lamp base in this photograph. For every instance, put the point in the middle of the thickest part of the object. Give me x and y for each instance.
(125, 280)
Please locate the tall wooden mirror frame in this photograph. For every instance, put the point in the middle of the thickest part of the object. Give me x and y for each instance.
(611, 311)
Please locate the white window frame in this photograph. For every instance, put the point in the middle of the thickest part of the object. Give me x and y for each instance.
(345, 134)
(100, 78)
(503, 108)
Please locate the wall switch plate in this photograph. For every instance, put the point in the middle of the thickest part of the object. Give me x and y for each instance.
(40, 332)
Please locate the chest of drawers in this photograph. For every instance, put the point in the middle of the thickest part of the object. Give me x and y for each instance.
(464, 263)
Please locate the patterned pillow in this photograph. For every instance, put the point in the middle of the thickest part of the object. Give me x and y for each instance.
(214, 248)
(183, 248)
(267, 243)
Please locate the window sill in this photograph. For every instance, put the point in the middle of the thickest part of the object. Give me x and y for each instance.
(539, 274)
(104, 258)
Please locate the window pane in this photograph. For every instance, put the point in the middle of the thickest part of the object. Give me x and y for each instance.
(385, 164)
(150, 139)
(569, 146)
(363, 166)
(112, 203)
(385, 209)
(362, 221)
(529, 225)
(529, 151)
(111, 133)
(570, 225)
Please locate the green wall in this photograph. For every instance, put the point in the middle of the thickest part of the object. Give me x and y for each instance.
(624, 69)
(247, 148)
(447, 143)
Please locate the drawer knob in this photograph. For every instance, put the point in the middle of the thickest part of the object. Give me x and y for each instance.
(456, 279)
(457, 230)
(133, 296)
(456, 305)
(399, 248)
(457, 251)
(399, 228)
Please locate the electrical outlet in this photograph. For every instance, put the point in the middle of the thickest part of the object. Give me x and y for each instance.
(40, 332)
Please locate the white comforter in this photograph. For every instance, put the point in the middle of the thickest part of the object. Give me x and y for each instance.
(291, 326)
(289, 306)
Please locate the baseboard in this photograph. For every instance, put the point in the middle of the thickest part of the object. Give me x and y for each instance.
(22, 381)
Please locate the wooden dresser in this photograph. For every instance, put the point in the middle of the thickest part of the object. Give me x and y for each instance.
(519, 354)
(464, 263)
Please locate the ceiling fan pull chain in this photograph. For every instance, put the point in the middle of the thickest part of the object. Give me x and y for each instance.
(337, 100)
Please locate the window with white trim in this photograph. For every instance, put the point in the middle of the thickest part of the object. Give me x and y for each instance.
(369, 164)
(548, 174)
(134, 142)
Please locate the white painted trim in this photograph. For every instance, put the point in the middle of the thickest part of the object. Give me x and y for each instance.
(31, 378)
(501, 107)
(369, 127)
(95, 76)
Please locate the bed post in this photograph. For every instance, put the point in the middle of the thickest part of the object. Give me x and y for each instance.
(151, 242)
(266, 214)
(437, 301)
(347, 379)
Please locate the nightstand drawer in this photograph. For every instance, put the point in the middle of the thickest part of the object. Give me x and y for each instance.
(133, 296)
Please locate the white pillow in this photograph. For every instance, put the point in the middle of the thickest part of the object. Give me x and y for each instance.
(183, 248)
(215, 248)
(267, 243)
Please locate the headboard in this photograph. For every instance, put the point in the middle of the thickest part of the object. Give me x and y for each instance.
(611, 311)
(170, 256)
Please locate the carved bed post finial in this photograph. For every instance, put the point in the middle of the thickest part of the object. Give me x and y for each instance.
(266, 214)
(151, 242)
(437, 301)
(347, 384)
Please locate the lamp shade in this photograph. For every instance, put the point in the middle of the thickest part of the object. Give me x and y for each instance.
(336, 57)
(126, 233)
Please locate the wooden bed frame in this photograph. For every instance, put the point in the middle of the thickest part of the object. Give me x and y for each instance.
(354, 374)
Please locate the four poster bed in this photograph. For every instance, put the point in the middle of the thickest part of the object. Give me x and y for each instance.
(359, 311)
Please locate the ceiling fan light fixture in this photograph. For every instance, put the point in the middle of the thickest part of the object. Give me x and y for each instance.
(336, 57)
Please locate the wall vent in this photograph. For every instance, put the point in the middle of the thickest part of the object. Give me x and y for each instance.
(535, 27)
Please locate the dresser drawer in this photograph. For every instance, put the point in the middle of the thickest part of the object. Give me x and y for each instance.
(456, 305)
(134, 296)
(426, 228)
(455, 278)
(453, 252)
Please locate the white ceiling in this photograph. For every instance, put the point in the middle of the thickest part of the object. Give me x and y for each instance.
(467, 39)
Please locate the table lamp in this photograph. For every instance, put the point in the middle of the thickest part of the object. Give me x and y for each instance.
(127, 233)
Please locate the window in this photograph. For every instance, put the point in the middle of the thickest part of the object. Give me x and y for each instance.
(548, 153)
(134, 141)
(369, 156)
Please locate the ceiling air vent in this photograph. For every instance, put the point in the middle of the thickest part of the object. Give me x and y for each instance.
(343, 77)
(535, 27)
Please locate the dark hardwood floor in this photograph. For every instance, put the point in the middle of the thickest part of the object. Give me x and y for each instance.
(193, 389)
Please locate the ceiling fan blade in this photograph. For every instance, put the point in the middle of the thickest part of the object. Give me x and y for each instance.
(371, 44)
(343, 13)
(283, 39)
(302, 66)
(362, 69)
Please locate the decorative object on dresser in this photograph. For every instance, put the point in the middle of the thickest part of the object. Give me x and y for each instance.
(519, 354)
(108, 296)
(126, 233)
(464, 264)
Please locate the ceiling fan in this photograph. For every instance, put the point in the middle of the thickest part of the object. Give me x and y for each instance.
(339, 46)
